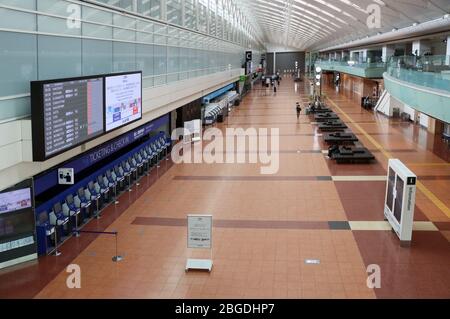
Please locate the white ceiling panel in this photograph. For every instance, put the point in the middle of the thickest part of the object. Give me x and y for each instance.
(316, 24)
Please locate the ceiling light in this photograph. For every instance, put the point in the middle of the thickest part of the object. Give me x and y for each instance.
(318, 69)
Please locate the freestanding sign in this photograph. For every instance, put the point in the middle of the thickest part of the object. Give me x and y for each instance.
(400, 200)
(199, 235)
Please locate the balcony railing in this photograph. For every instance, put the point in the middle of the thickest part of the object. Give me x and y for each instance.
(429, 71)
(363, 69)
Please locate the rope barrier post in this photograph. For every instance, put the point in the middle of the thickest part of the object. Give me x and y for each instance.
(97, 216)
(77, 234)
(56, 253)
(129, 182)
(137, 174)
(117, 257)
(115, 193)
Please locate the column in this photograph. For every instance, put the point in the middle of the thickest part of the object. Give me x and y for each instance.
(421, 46)
(388, 51)
(447, 59)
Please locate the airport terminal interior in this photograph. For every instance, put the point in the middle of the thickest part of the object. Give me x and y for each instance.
(225, 149)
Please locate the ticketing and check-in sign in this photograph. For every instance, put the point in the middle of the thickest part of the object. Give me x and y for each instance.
(199, 231)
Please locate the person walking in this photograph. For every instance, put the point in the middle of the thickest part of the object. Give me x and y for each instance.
(299, 110)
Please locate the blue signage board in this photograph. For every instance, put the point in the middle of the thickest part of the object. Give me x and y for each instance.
(50, 179)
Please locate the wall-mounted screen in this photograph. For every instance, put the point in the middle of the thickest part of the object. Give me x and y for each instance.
(65, 114)
(15, 200)
(123, 98)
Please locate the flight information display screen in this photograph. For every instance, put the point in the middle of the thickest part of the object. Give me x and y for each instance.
(73, 113)
(123, 98)
(65, 114)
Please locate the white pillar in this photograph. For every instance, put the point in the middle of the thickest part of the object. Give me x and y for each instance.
(274, 61)
(447, 59)
(388, 51)
(421, 46)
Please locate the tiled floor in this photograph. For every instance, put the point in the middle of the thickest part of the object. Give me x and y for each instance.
(267, 226)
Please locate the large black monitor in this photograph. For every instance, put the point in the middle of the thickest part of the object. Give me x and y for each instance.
(65, 113)
(123, 99)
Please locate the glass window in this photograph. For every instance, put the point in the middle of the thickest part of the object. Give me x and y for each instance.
(144, 63)
(11, 19)
(173, 11)
(173, 64)
(190, 14)
(149, 8)
(212, 17)
(58, 57)
(17, 62)
(124, 57)
(203, 16)
(25, 4)
(97, 57)
(123, 4)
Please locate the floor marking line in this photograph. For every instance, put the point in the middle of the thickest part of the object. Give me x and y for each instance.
(429, 164)
(358, 178)
(433, 198)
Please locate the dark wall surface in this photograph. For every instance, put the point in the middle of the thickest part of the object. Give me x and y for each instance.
(269, 63)
(286, 61)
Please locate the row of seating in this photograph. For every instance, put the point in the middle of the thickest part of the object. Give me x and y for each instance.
(328, 121)
(76, 209)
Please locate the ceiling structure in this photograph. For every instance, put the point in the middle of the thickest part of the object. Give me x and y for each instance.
(318, 24)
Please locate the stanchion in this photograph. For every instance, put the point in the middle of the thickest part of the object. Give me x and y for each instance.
(56, 253)
(97, 215)
(115, 194)
(77, 234)
(116, 257)
(129, 182)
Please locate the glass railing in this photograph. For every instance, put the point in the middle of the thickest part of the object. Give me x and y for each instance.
(362, 69)
(430, 71)
(356, 64)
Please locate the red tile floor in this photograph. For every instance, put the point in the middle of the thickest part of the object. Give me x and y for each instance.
(266, 226)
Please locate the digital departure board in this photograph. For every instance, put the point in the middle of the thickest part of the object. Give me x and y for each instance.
(65, 113)
(123, 98)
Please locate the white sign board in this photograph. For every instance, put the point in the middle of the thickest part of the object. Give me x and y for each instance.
(199, 231)
(400, 200)
(65, 176)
